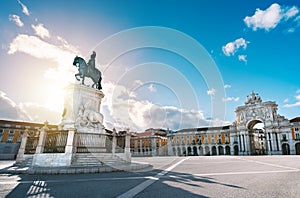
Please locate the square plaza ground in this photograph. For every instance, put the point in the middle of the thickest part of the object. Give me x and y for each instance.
(212, 176)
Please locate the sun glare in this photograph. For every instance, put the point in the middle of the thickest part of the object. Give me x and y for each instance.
(55, 99)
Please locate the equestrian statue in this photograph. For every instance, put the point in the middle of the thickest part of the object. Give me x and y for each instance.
(88, 70)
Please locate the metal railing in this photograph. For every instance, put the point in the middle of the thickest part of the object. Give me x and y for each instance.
(91, 143)
(120, 144)
(55, 141)
(31, 144)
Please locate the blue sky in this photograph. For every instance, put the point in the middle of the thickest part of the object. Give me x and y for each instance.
(242, 46)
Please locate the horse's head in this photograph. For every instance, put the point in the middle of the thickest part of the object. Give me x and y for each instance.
(76, 61)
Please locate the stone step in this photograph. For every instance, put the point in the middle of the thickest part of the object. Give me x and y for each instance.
(25, 163)
(91, 159)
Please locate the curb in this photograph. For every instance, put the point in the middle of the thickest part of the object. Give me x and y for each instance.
(73, 169)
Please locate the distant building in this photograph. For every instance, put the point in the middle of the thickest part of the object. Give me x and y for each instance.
(152, 142)
(202, 141)
(295, 133)
(279, 136)
(10, 136)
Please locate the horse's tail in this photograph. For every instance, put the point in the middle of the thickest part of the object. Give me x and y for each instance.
(99, 83)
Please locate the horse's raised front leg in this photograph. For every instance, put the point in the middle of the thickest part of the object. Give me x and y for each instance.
(76, 76)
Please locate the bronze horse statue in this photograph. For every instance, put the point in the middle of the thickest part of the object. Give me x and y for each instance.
(85, 70)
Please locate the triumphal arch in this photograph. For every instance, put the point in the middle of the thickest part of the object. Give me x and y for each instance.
(257, 130)
(267, 139)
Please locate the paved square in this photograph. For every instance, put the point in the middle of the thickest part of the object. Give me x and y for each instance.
(215, 176)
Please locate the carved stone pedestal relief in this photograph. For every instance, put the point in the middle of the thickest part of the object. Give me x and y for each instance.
(82, 109)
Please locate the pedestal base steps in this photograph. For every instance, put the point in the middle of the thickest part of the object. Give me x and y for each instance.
(95, 159)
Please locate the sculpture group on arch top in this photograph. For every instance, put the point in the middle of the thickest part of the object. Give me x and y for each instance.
(257, 111)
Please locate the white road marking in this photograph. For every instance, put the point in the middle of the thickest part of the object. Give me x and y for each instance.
(139, 188)
(245, 173)
(73, 180)
(17, 181)
(265, 163)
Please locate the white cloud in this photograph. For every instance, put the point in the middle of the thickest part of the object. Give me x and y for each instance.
(268, 19)
(60, 74)
(31, 112)
(286, 100)
(137, 83)
(10, 110)
(227, 86)
(139, 115)
(297, 21)
(41, 113)
(295, 104)
(291, 30)
(218, 122)
(16, 19)
(231, 99)
(24, 8)
(232, 47)
(41, 31)
(66, 46)
(211, 92)
(35, 47)
(132, 94)
(152, 88)
(243, 58)
(293, 11)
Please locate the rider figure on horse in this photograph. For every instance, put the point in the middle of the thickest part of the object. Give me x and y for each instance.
(91, 62)
(88, 70)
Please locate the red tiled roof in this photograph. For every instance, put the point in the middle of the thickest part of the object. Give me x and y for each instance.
(297, 119)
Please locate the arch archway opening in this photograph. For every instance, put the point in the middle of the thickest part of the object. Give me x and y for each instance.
(257, 137)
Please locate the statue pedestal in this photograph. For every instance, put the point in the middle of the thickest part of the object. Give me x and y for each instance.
(82, 109)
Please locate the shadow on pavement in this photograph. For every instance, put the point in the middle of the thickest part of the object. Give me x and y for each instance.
(173, 184)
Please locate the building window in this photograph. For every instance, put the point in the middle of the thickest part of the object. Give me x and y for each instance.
(9, 139)
(297, 129)
(19, 139)
(297, 136)
(284, 137)
(11, 132)
(1, 134)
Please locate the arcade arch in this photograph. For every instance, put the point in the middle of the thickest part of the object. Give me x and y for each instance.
(257, 137)
(285, 149)
(297, 148)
